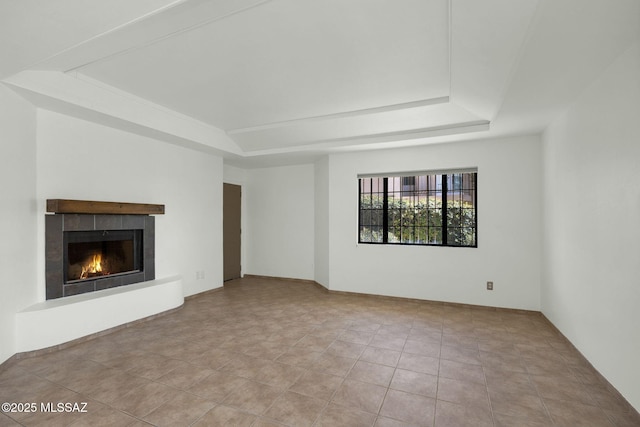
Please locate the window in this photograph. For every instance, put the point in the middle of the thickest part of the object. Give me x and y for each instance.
(419, 209)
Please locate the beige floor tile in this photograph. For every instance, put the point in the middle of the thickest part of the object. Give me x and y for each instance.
(390, 343)
(151, 366)
(455, 415)
(314, 343)
(345, 349)
(181, 409)
(460, 354)
(113, 386)
(502, 361)
(417, 363)
(266, 422)
(104, 416)
(460, 341)
(217, 386)
(415, 382)
(7, 421)
(371, 373)
(253, 397)
(462, 371)
(519, 405)
(560, 389)
(279, 375)
(295, 409)
(317, 384)
(381, 356)
(360, 396)
(357, 337)
(498, 346)
(509, 382)
(339, 416)
(466, 393)
(332, 364)
(623, 419)
(389, 422)
(364, 326)
(410, 408)
(265, 350)
(570, 414)
(51, 419)
(213, 358)
(142, 400)
(502, 420)
(299, 357)
(244, 366)
(185, 376)
(225, 416)
(428, 347)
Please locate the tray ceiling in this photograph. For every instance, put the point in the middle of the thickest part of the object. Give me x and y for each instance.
(271, 77)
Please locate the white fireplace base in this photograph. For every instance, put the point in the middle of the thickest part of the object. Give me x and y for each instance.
(58, 321)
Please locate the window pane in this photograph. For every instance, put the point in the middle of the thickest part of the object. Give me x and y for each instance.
(365, 234)
(454, 237)
(460, 236)
(407, 235)
(461, 212)
(394, 235)
(435, 235)
(376, 234)
(422, 183)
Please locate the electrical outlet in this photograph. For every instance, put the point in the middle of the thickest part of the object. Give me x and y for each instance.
(489, 286)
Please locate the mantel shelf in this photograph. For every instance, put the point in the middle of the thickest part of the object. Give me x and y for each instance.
(106, 208)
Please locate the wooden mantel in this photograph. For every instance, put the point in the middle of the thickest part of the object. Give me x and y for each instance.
(109, 208)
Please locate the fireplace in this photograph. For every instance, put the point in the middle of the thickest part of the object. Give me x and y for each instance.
(87, 252)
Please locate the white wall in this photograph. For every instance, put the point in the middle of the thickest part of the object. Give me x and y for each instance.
(322, 222)
(82, 160)
(591, 285)
(509, 228)
(280, 222)
(17, 213)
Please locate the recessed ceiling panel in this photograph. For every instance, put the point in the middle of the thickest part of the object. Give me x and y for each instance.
(33, 30)
(290, 59)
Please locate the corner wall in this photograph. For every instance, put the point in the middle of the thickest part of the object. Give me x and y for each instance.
(322, 222)
(280, 222)
(509, 227)
(17, 213)
(591, 285)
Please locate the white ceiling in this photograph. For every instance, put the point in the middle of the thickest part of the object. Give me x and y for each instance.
(286, 80)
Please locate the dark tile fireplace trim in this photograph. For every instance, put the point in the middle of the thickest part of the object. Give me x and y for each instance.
(57, 224)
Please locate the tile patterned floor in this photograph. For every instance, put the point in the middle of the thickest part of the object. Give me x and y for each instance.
(267, 352)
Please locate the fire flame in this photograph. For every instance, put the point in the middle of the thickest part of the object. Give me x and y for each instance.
(94, 266)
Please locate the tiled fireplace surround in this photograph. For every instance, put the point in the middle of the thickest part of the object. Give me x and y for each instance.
(57, 224)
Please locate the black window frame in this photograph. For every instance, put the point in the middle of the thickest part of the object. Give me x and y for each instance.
(442, 190)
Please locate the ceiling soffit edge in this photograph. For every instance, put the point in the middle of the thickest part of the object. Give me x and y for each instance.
(341, 115)
(372, 140)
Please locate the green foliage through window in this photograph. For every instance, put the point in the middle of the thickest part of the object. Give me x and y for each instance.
(419, 210)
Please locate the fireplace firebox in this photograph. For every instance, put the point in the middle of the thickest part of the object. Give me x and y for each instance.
(86, 253)
(95, 254)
